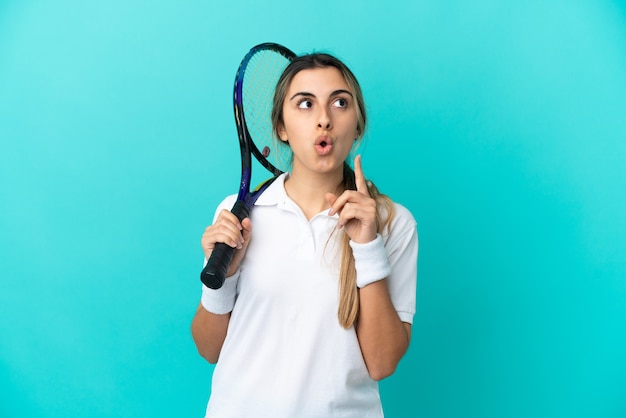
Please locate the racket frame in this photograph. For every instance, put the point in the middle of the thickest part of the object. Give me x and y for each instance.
(213, 274)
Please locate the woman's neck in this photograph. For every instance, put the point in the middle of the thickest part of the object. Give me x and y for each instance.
(309, 192)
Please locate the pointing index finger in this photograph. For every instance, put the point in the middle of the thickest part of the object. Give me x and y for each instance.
(359, 178)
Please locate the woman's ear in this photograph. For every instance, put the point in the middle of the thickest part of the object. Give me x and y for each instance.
(282, 134)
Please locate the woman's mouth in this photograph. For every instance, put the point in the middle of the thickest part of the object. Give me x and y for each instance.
(323, 146)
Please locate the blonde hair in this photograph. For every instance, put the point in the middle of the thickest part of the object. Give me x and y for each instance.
(348, 310)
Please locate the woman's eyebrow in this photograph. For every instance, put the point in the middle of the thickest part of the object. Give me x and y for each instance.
(302, 93)
(307, 94)
(341, 91)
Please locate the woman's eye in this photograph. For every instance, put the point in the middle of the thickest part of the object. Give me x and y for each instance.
(305, 104)
(340, 102)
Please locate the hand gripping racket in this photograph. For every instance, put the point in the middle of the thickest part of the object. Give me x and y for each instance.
(255, 82)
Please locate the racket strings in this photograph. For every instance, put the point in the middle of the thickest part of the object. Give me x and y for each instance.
(260, 78)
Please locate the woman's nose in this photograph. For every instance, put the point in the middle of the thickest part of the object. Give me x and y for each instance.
(324, 120)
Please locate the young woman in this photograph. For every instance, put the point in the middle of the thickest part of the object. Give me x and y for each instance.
(320, 295)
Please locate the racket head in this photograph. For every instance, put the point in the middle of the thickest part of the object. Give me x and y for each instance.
(255, 83)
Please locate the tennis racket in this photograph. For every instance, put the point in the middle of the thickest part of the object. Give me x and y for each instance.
(255, 82)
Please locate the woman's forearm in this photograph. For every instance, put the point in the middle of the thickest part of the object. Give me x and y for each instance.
(209, 332)
(383, 337)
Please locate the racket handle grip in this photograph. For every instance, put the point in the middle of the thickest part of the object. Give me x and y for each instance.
(214, 273)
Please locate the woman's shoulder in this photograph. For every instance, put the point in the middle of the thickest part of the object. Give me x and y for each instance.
(226, 203)
(403, 213)
(403, 220)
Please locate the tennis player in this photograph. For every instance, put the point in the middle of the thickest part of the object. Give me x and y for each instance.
(320, 296)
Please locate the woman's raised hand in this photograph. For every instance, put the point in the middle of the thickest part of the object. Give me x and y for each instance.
(356, 208)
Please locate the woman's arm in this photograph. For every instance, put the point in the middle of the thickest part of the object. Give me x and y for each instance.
(383, 337)
(210, 323)
(209, 332)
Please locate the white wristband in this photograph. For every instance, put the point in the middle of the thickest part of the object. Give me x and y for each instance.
(221, 301)
(370, 261)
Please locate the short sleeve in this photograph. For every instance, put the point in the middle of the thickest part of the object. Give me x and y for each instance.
(401, 243)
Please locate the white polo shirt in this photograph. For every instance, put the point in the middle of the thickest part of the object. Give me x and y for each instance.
(285, 354)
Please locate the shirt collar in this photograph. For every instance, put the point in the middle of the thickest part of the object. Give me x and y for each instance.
(275, 194)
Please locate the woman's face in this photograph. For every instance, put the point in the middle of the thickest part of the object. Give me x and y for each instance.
(319, 120)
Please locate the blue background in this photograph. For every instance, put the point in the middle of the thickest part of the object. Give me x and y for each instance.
(501, 126)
